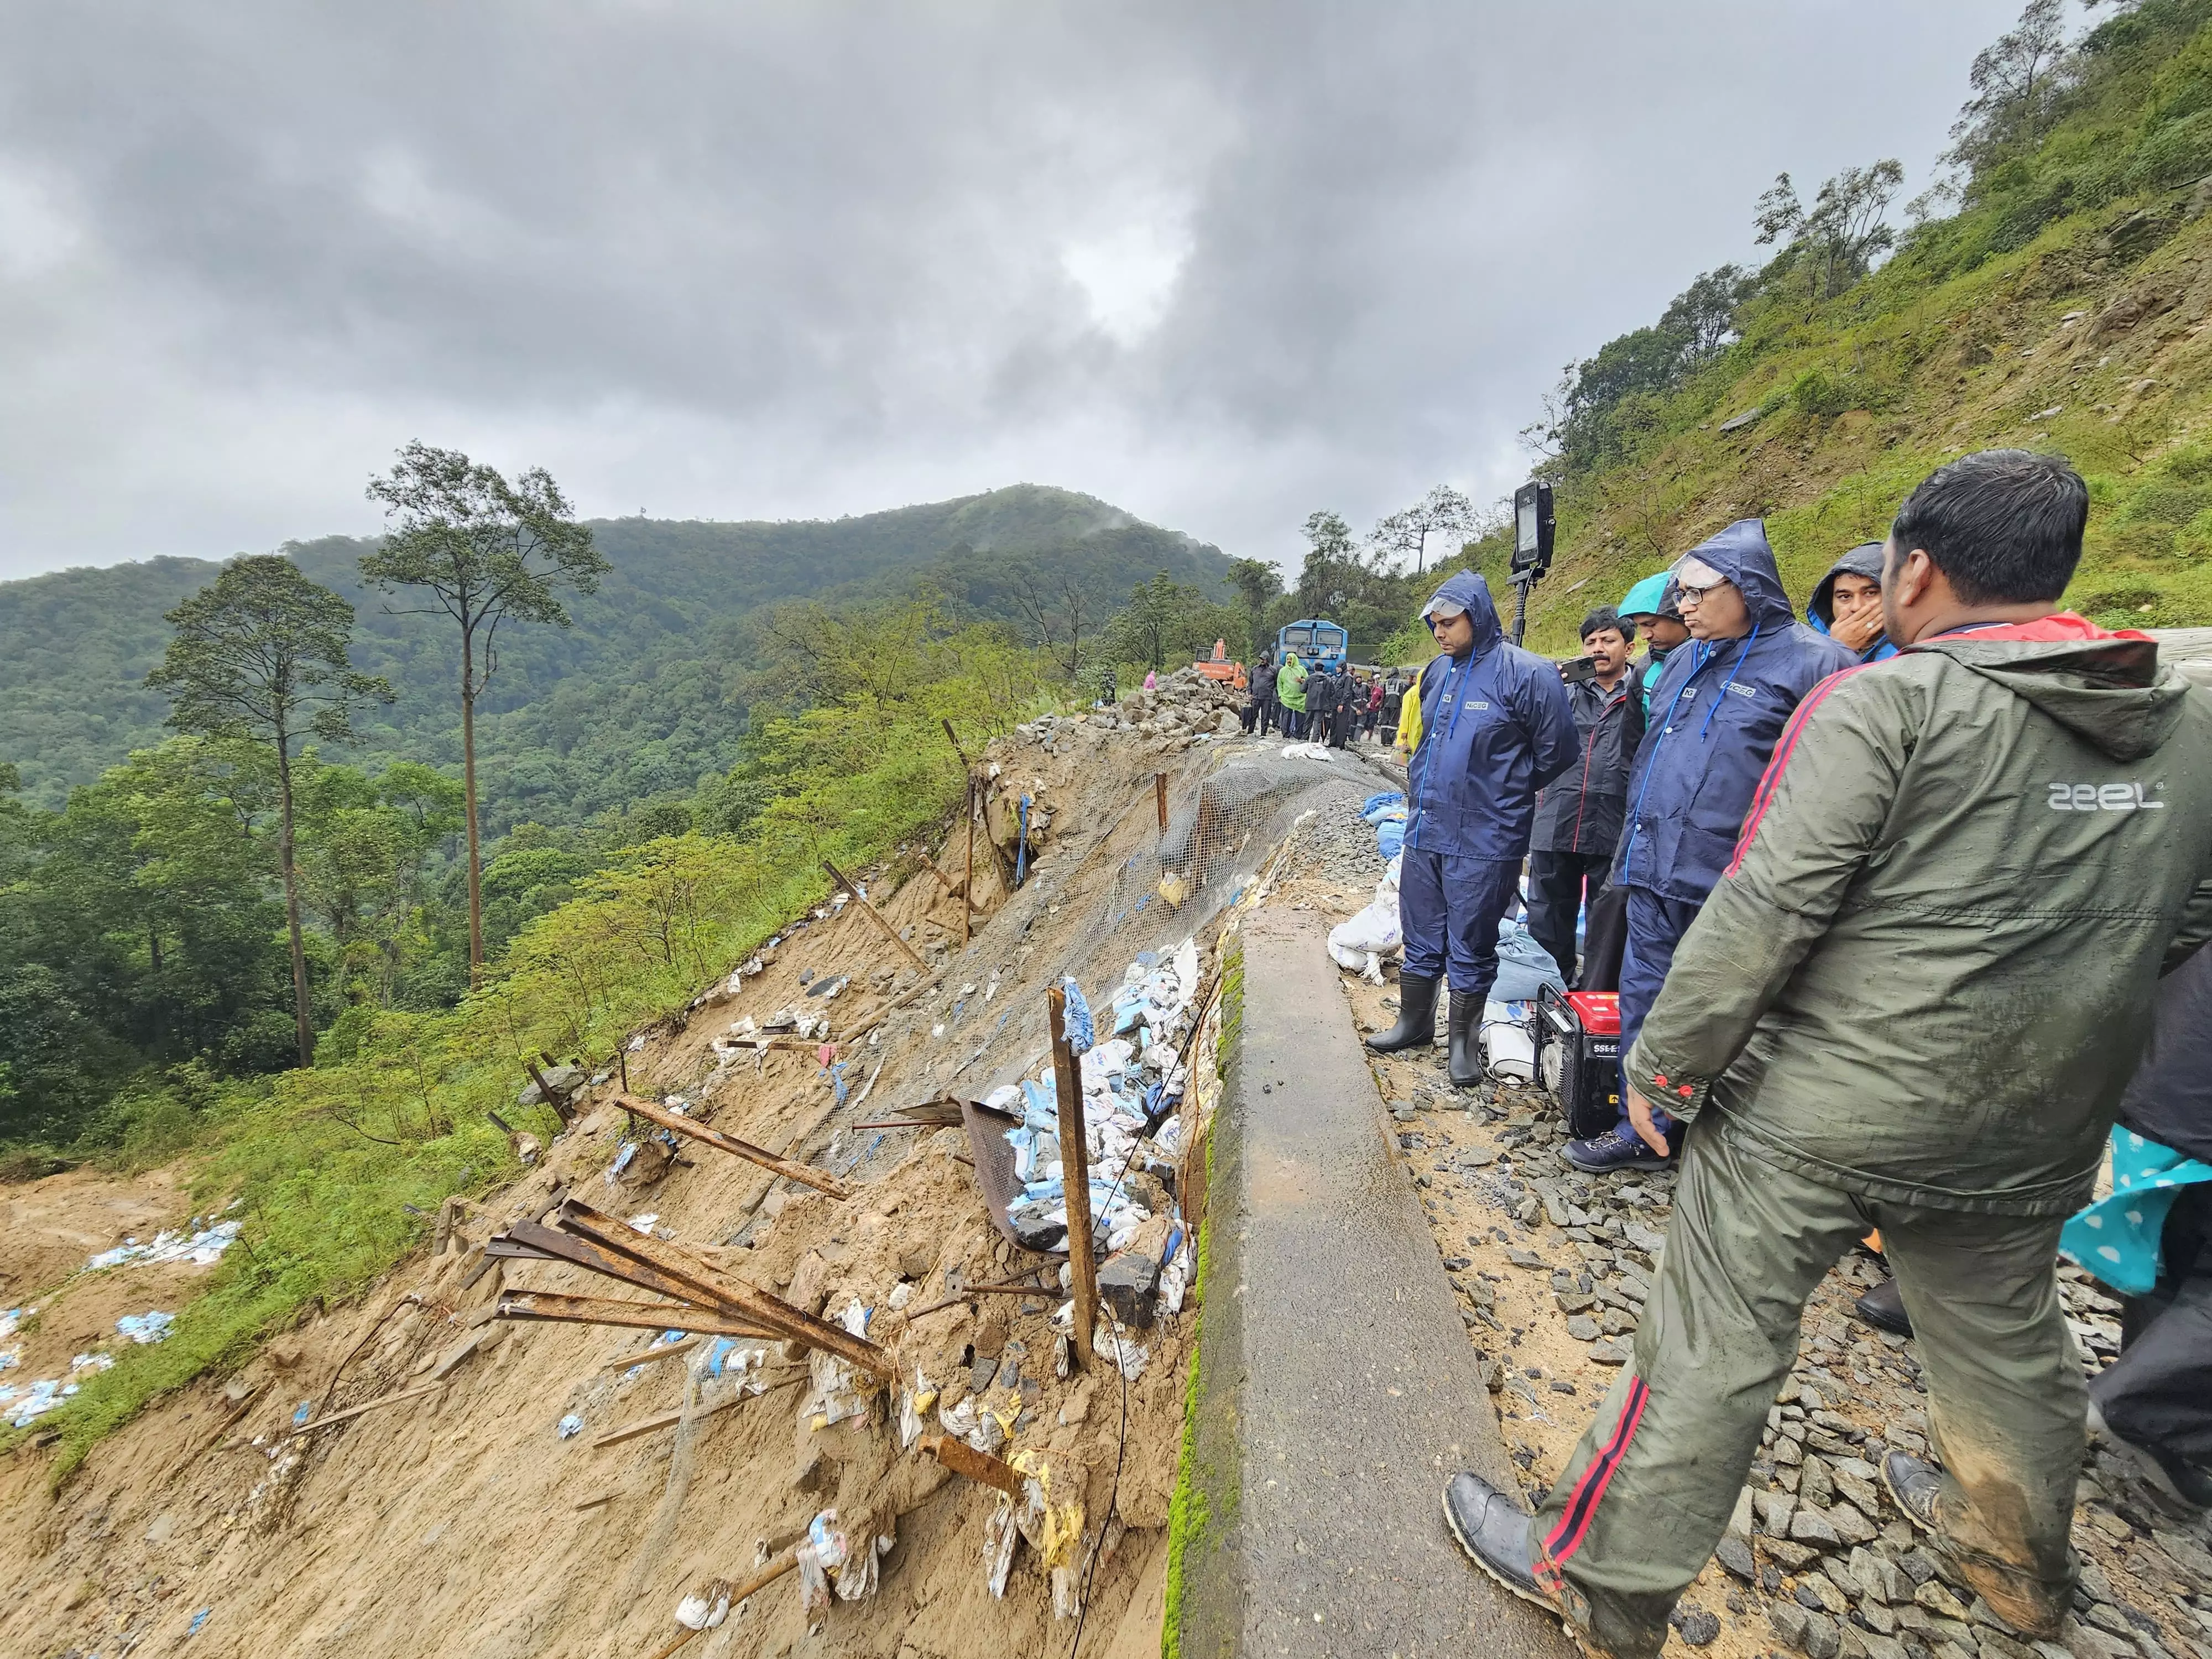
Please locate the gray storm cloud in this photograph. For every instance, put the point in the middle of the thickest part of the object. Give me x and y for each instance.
(1220, 264)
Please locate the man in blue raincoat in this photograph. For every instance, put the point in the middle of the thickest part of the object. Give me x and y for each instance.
(1496, 726)
(1717, 711)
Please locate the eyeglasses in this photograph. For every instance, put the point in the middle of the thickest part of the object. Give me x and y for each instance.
(1688, 595)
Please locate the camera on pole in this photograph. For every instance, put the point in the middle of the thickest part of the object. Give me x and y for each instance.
(1532, 547)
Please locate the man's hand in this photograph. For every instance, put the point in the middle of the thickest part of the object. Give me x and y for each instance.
(1639, 1118)
(1857, 632)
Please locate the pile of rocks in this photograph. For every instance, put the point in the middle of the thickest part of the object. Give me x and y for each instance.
(1184, 704)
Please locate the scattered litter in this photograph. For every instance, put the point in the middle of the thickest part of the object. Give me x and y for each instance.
(1305, 751)
(201, 1249)
(821, 1555)
(149, 1326)
(645, 1220)
(569, 1426)
(198, 1619)
(707, 1610)
(307, 1409)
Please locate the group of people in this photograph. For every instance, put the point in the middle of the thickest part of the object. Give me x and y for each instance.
(1331, 702)
(1893, 888)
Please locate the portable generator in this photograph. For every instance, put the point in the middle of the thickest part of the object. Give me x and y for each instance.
(1579, 1057)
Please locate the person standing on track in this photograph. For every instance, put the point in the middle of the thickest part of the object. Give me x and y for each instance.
(1496, 727)
(1912, 1002)
(1578, 813)
(1716, 713)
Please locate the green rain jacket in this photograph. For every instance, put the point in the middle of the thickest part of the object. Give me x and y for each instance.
(1928, 972)
(1290, 683)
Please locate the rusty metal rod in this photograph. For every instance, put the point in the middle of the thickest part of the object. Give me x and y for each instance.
(802, 1173)
(709, 1282)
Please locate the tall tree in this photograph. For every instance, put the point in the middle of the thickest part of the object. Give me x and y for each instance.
(1835, 243)
(485, 549)
(1442, 512)
(1053, 604)
(260, 654)
(2017, 81)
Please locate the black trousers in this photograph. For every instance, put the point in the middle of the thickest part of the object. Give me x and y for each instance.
(2160, 1391)
(1556, 881)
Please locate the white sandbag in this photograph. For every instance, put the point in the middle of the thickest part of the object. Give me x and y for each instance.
(1509, 1046)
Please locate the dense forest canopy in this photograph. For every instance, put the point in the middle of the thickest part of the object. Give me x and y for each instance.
(638, 700)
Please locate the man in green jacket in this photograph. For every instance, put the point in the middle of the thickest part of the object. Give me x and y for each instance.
(1911, 1003)
(1290, 692)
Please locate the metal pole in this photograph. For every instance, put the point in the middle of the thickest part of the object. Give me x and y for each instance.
(1160, 798)
(1075, 1175)
(1520, 585)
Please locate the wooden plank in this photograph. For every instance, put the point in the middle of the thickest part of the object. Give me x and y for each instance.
(669, 1420)
(707, 1283)
(968, 887)
(803, 1174)
(965, 1461)
(882, 923)
(352, 1412)
(648, 1355)
(562, 1308)
(1075, 1167)
(658, 1421)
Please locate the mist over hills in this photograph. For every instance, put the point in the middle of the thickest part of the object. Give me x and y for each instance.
(637, 699)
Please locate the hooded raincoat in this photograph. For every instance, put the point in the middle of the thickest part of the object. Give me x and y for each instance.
(1716, 712)
(1290, 683)
(1864, 560)
(1950, 908)
(1495, 729)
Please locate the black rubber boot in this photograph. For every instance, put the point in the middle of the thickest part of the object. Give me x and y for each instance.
(1417, 1017)
(1493, 1530)
(1466, 1064)
(1883, 1308)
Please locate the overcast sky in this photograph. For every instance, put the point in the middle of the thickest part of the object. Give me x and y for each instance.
(1219, 263)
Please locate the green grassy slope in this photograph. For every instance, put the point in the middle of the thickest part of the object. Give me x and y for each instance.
(2066, 307)
(633, 702)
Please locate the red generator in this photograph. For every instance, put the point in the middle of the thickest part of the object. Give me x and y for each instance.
(1579, 1057)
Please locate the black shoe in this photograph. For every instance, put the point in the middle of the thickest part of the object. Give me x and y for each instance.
(1617, 1149)
(2171, 1477)
(1883, 1308)
(1466, 1063)
(1417, 1017)
(1493, 1530)
(1915, 1485)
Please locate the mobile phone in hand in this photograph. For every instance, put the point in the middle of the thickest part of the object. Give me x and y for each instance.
(1578, 670)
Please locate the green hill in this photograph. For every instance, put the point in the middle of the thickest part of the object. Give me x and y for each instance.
(637, 700)
(2064, 306)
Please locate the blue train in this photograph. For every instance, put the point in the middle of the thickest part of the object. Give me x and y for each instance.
(1315, 641)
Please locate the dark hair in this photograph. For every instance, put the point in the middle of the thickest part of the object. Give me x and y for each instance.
(1606, 617)
(2003, 525)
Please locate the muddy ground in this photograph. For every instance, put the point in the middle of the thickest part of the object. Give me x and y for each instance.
(1552, 1265)
(463, 1520)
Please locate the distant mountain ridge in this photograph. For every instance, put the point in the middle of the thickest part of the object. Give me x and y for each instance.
(634, 700)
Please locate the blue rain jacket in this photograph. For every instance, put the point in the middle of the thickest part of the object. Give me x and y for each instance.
(1495, 729)
(1717, 711)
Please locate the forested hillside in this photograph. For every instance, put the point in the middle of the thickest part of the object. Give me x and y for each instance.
(642, 698)
(2061, 305)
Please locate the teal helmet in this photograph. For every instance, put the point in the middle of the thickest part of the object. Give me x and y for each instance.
(1645, 598)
